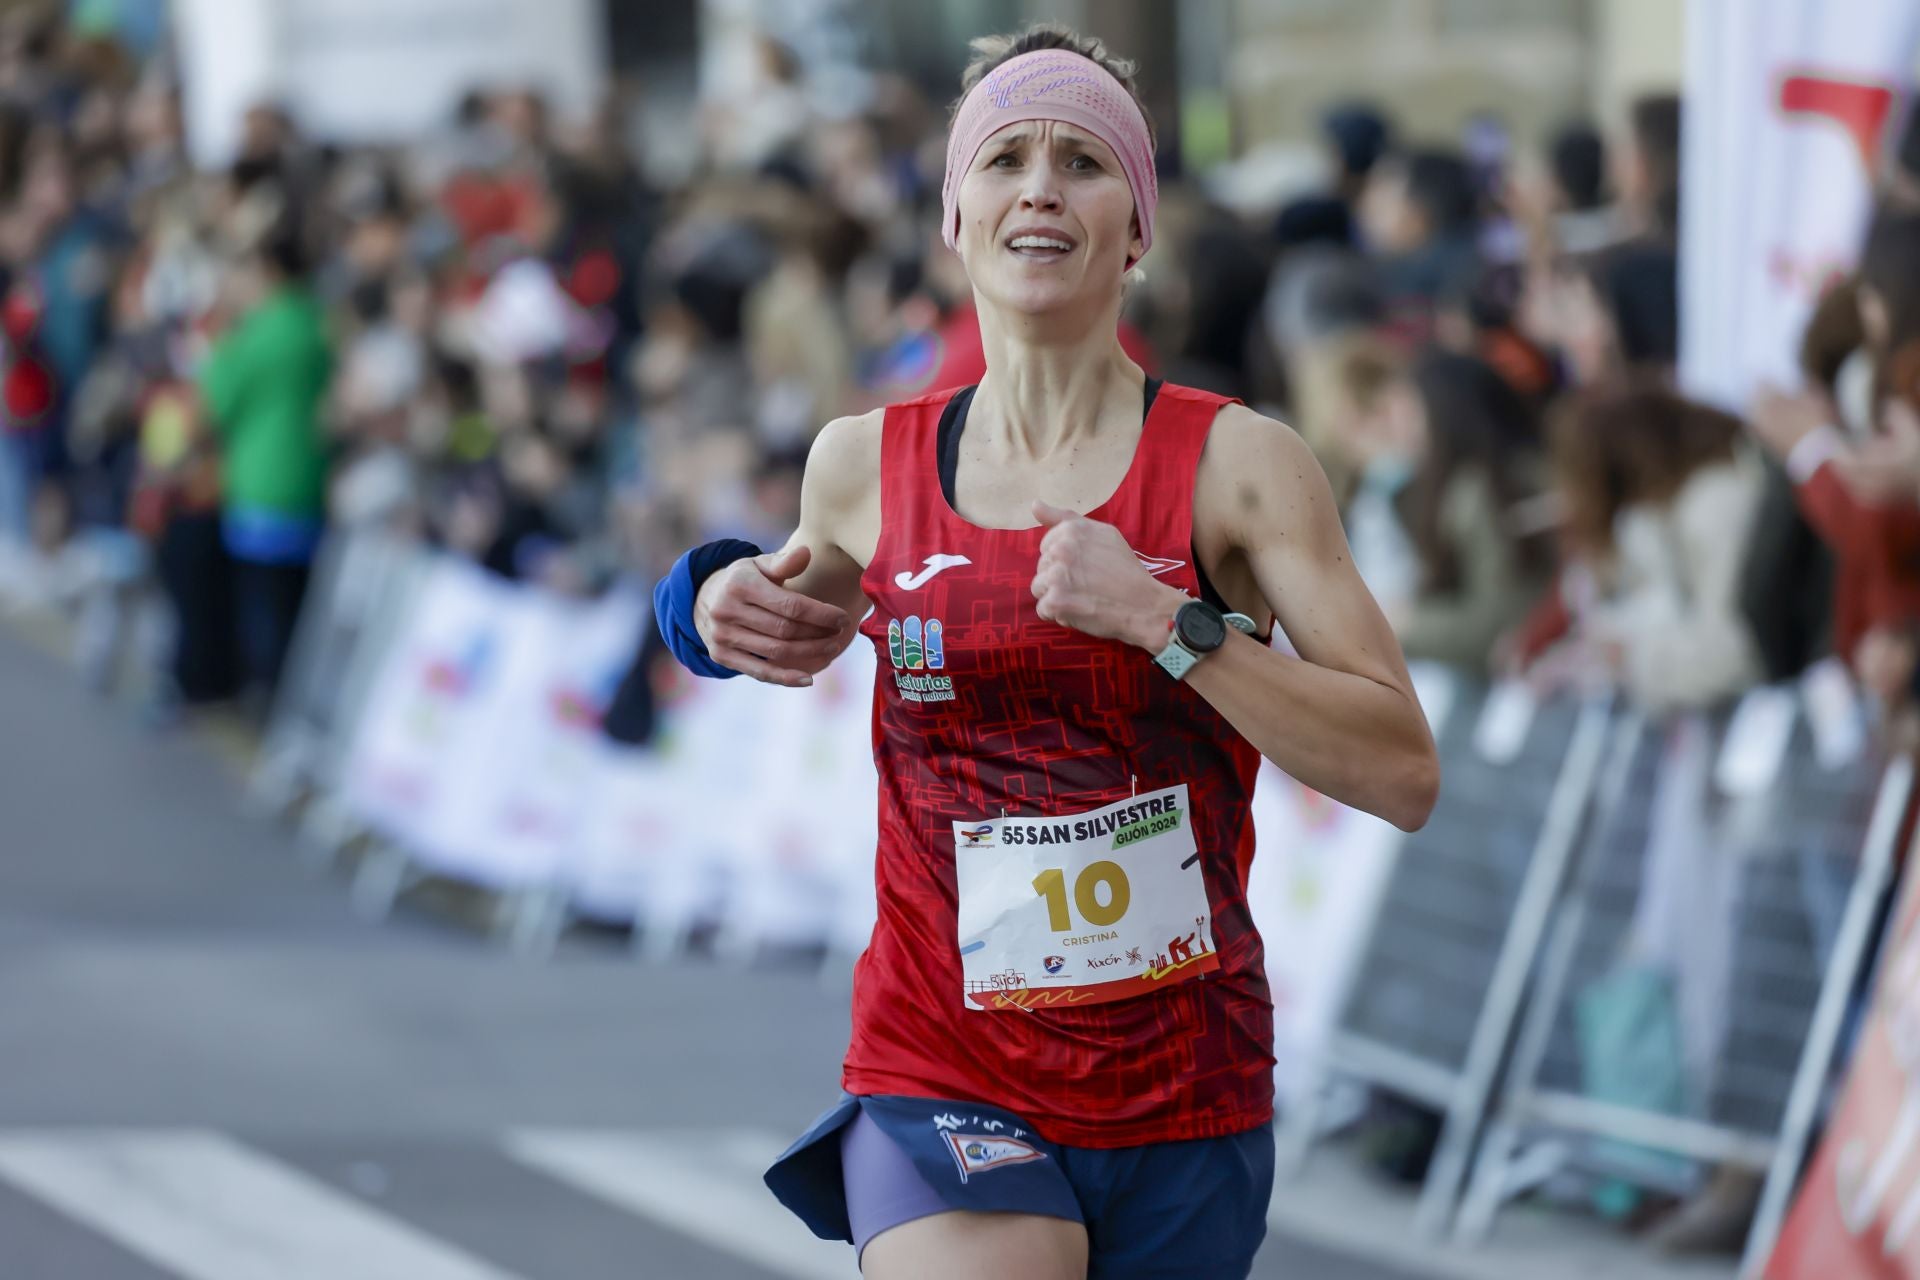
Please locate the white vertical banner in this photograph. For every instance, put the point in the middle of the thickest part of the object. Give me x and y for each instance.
(229, 62)
(1789, 105)
(376, 70)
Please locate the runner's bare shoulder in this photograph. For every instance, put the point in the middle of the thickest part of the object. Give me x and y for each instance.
(840, 496)
(846, 454)
(1256, 474)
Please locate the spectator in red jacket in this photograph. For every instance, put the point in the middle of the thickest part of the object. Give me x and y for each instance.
(1874, 531)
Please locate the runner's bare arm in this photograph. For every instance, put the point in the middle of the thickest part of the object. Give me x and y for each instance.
(840, 511)
(1342, 717)
(784, 616)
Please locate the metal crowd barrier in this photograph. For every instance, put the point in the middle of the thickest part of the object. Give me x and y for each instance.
(1430, 1009)
(356, 603)
(1795, 865)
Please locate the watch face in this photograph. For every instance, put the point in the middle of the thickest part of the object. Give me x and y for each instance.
(1200, 627)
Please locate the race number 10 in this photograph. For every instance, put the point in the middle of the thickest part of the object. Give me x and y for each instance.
(1051, 884)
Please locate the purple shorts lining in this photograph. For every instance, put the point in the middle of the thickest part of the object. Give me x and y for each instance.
(883, 1188)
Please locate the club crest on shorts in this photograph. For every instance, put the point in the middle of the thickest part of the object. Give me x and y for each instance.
(977, 1153)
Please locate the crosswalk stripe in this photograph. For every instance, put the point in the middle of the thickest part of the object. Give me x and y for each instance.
(693, 1184)
(202, 1205)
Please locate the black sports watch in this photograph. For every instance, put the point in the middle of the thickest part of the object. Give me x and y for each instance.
(1198, 630)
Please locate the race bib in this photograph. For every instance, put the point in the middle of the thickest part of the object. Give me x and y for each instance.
(1082, 908)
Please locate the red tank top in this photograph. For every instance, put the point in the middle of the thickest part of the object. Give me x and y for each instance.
(1031, 717)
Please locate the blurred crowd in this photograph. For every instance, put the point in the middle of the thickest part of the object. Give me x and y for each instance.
(503, 341)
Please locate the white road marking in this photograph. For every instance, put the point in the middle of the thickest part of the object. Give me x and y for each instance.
(207, 1208)
(705, 1186)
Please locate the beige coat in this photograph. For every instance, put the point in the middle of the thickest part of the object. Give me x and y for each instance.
(1674, 607)
(1495, 590)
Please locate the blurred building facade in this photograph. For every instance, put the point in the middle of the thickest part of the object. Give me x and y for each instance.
(1277, 62)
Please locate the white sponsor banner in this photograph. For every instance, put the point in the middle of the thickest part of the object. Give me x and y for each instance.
(808, 871)
(376, 70)
(722, 738)
(851, 787)
(432, 708)
(635, 819)
(523, 809)
(1789, 106)
(694, 829)
(1318, 873)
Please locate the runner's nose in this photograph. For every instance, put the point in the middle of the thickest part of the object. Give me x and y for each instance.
(1041, 191)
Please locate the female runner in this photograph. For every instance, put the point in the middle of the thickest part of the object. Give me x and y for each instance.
(1061, 1061)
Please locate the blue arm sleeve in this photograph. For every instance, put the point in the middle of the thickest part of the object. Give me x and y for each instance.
(673, 598)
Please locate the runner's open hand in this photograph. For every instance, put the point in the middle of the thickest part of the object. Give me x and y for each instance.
(1089, 579)
(752, 622)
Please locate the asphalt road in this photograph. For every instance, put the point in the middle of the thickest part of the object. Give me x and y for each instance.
(210, 1068)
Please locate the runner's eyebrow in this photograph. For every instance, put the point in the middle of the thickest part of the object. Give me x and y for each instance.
(1063, 136)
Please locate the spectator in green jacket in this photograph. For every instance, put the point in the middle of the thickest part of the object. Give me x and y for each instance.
(264, 385)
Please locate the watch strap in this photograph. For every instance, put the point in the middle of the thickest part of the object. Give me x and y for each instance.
(1176, 659)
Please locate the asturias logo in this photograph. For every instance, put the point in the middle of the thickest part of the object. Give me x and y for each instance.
(916, 645)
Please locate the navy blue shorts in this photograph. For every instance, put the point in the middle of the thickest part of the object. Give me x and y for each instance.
(1167, 1209)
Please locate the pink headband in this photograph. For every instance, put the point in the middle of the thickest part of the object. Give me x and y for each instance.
(1052, 84)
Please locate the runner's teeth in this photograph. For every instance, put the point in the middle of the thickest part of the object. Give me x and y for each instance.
(1035, 242)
